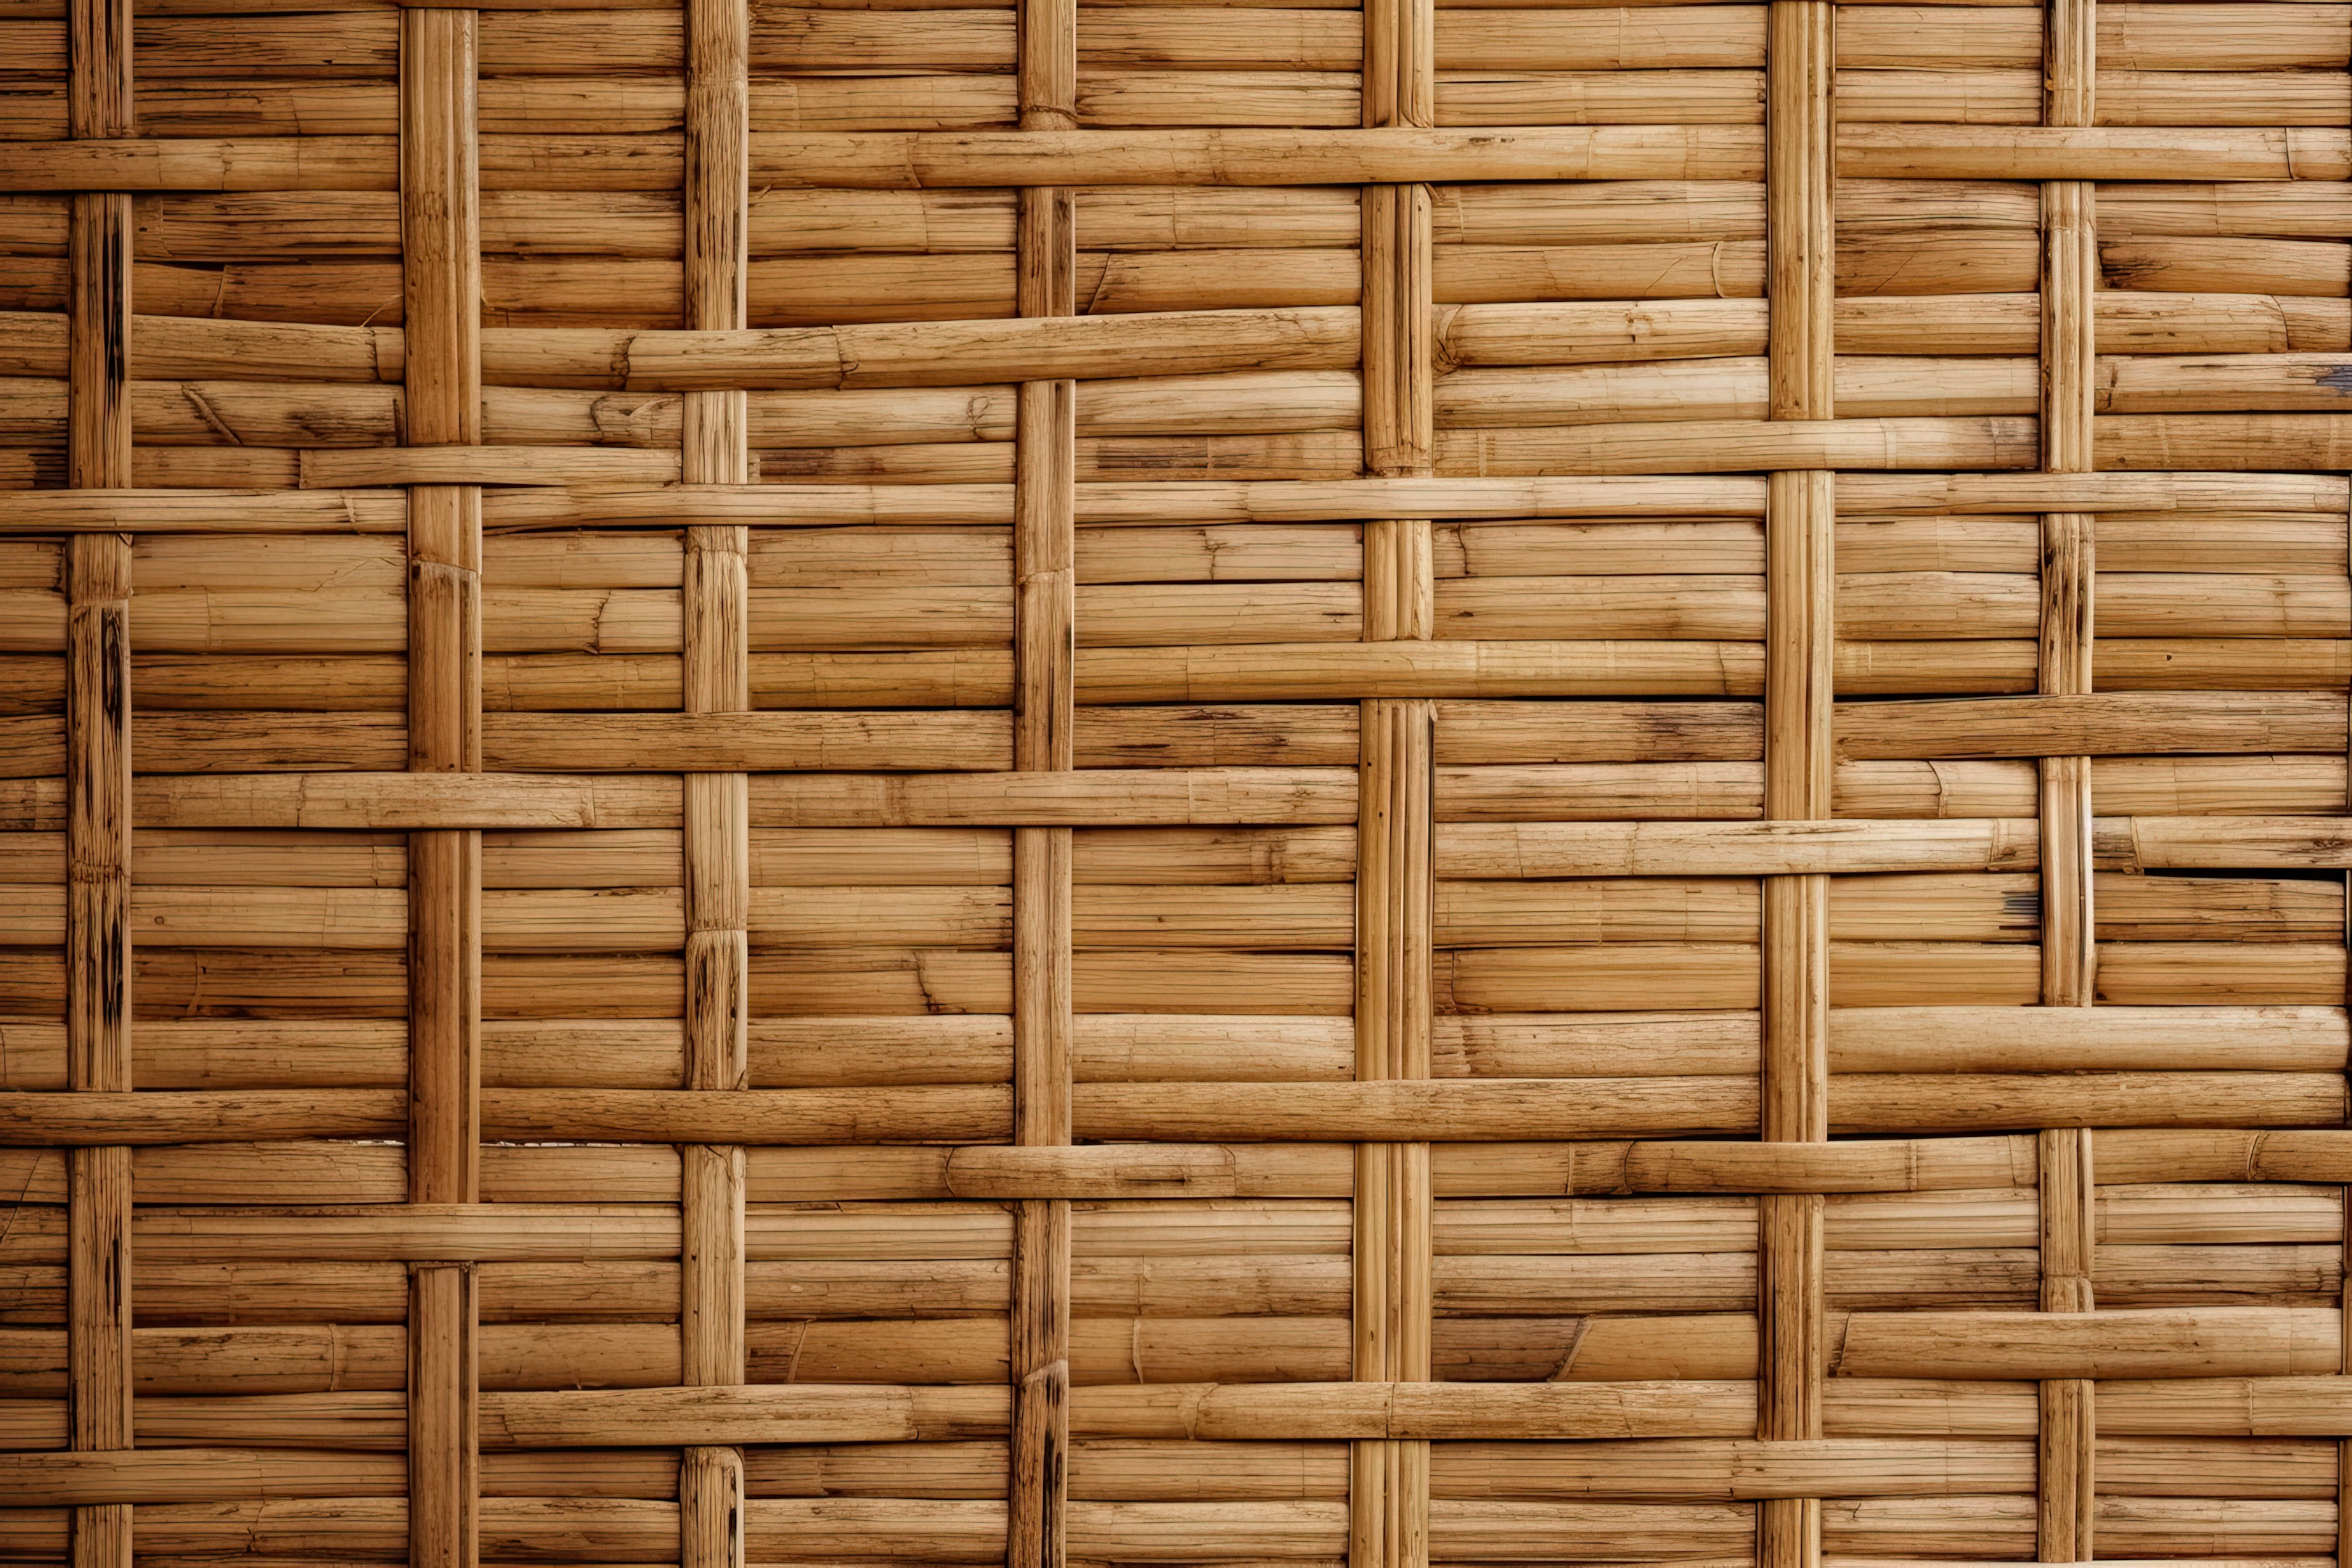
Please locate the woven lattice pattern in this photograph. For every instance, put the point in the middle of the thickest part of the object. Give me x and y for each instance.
(1117, 786)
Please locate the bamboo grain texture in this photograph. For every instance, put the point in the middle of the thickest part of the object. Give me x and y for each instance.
(1098, 784)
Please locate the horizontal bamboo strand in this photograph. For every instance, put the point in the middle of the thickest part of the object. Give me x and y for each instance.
(906, 160)
(326, 510)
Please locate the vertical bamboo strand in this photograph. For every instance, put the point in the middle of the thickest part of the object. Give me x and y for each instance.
(710, 1504)
(2344, 1255)
(2069, 366)
(716, 845)
(2069, 1426)
(1389, 1524)
(1400, 590)
(1799, 63)
(440, 244)
(98, 775)
(1044, 631)
(1395, 887)
(98, 778)
(1800, 629)
(1398, 368)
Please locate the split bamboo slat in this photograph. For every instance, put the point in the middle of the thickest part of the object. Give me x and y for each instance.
(1094, 783)
(440, 280)
(714, 859)
(1044, 635)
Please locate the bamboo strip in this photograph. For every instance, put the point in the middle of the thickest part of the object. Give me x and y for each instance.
(822, 742)
(1801, 619)
(1401, 669)
(1388, 1517)
(2256, 1407)
(2210, 1341)
(1400, 154)
(1098, 797)
(715, 679)
(2224, 1155)
(2161, 325)
(2101, 724)
(441, 278)
(98, 764)
(806, 1413)
(800, 1413)
(1414, 1411)
(1978, 1039)
(907, 161)
(2344, 1296)
(1736, 849)
(1894, 494)
(1105, 798)
(2067, 1487)
(2081, 153)
(472, 466)
(1597, 496)
(1720, 1469)
(1868, 1102)
(121, 163)
(1471, 1110)
(187, 1474)
(414, 802)
(1044, 636)
(995, 1173)
(1220, 1171)
(928, 354)
(1391, 1213)
(500, 1233)
(175, 511)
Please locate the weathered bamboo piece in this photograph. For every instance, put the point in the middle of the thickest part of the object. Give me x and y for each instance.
(97, 766)
(1598, 496)
(1044, 633)
(440, 265)
(2344, 1447)
(1389, 1507)
(1800, 523)
(715, 679)
(2067, 1500)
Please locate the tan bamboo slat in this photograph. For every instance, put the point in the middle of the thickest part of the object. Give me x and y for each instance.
(2067, 1484)
(1044, 633)
(441, 257)
(1799, 524)
(98, 763)
(1392, 1300)
(713, 624)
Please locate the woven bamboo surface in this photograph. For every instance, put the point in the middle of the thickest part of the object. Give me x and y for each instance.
(910, 782)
